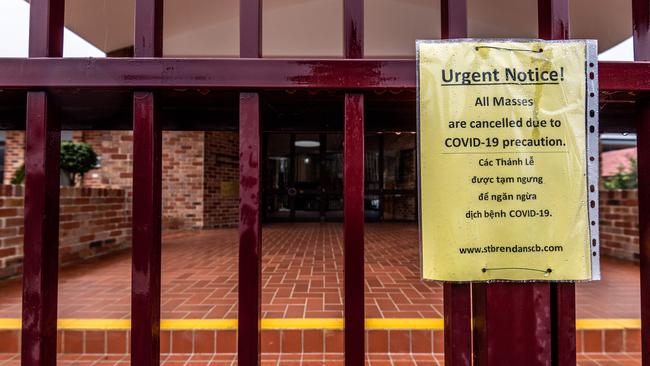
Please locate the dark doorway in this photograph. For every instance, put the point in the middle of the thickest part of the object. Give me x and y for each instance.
(303, 176)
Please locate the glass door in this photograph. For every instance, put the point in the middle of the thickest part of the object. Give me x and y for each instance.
(306, 188)
(277, 177)
(333, 177)
(303, 176)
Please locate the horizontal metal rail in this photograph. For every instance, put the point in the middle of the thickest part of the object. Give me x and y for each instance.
(253, 74)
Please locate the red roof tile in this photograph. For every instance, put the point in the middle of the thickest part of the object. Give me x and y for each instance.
(612, 161)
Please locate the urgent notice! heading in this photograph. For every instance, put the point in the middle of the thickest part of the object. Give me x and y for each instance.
(503, 76)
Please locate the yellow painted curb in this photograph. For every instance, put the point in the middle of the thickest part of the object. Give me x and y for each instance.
(312, 323)
(10, 323)
(198, 324)
(407, 323)
(69, 324)
(588, 324)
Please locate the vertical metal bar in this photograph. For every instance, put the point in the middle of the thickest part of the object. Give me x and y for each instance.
(553, 23)
(563, 323)
(41, 248)
(250, 233)
(353, 28)
(353, 231)
(148, 40)
(641, 33)
(458, 324)
(353, 195)
(250, 230)
(457, 297)
(453, 19)
(41, 241)
(147, 196)
(46, 28)
(250, 29)
(553, 19)
(512, 324)
(147, 176)
(643, 146)
(641, 29)
(479, 320)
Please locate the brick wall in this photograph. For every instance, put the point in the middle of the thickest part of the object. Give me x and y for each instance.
(182, 180)
(221, 183)
(115, 152)
(94, 221)
(200, 174)
(14, 153)
(619, 224)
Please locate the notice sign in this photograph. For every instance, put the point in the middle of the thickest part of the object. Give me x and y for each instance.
(508, 160)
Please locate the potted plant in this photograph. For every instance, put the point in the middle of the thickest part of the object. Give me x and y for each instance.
(77, 158)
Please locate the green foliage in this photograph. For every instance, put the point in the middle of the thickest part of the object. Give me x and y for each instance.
(77, 158)
(625, 178)
(19, 175)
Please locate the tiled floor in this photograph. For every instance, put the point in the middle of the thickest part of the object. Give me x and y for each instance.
(616, 295)
(621, 359)
(302, 278)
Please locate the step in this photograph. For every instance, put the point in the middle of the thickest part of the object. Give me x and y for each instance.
(206, 336)
(311, 359)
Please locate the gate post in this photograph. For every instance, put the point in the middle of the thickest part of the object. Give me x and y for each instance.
(353, 231)
(250, 232)
(512, 324)
(641, 33)
(538, 317)
(41, 240)
(147, 196)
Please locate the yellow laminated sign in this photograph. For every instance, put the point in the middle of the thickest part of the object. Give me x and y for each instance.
(503, 135)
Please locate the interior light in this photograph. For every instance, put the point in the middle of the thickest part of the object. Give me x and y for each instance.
(307, 143)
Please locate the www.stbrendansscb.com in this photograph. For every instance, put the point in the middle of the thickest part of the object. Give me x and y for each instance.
(511, 249)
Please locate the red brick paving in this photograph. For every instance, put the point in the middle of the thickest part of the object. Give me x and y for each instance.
(621, 359)
(616, 295)
(302, 271)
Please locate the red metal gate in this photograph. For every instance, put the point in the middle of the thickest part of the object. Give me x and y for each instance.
(539, 318)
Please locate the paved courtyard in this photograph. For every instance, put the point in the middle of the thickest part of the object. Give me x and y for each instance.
(302, 278)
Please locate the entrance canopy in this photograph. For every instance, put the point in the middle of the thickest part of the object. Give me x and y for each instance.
(314, 28)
